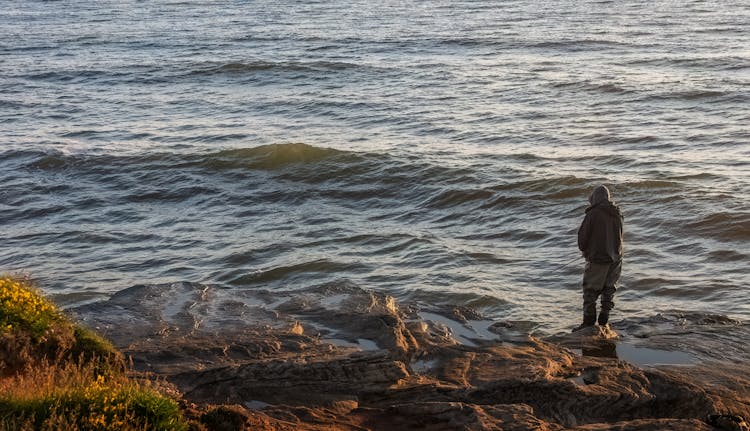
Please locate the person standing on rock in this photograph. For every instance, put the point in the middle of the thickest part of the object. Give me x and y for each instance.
(600, 241)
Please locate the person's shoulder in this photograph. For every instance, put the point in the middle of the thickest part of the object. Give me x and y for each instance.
(615, 211)
(605, 209)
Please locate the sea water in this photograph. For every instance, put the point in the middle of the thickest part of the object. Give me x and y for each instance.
(438, 151)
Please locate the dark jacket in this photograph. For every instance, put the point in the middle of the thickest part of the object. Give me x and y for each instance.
(600, 234)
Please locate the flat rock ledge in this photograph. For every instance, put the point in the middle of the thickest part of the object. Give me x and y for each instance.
(294, 372)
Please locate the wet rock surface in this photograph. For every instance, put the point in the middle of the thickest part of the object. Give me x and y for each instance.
(341, 358)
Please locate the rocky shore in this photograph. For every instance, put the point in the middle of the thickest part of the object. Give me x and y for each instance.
(341, 358)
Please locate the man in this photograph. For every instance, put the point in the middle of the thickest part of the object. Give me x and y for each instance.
(600, 241)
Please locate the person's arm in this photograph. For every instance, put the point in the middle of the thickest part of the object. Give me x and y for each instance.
(583, 235)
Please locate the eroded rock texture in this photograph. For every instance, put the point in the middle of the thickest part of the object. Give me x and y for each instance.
(347, 359)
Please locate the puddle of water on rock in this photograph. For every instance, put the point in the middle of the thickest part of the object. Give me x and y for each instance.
(464, 333)
(362, 344)
(338, 342)
(256, 405)
(481, 328)
(640, 356)
(366, 344)
(578, 380)
(422, 366)
(644, 356)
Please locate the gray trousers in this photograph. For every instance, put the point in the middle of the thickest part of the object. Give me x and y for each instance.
(599, 279)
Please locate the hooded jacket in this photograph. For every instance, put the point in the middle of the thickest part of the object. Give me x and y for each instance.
(600, 234)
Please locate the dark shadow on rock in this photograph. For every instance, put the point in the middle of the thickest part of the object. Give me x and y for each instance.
(604, 349)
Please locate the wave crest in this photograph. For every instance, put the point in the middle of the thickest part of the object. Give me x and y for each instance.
(237, 68)
(723, 225)
(269, 157)
(264, 157)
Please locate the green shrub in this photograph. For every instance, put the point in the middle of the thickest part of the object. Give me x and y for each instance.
(98, 404)
(23, 308)
(90, 346)
(55, 374)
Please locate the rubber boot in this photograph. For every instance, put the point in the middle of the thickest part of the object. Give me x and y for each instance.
(588, 321)
(603, 318)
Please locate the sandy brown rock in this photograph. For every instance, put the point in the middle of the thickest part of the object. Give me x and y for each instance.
(536, 385)
(308, 368)
(605, 391)
(727, 385)
(650, 425)
(310, 382)
(358, 314)
(447, 416)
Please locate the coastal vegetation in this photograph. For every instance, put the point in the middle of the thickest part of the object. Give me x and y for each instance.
(57, 374)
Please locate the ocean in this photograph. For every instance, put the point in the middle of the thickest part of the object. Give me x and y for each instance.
(441, 152)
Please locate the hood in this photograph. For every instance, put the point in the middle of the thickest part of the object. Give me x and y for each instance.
(599, 195)
(600, 198)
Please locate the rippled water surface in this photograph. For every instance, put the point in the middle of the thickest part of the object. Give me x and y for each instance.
(441, 152)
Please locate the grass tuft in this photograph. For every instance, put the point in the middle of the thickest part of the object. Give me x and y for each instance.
(91, 346)
(77, 396)
(56, 374)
